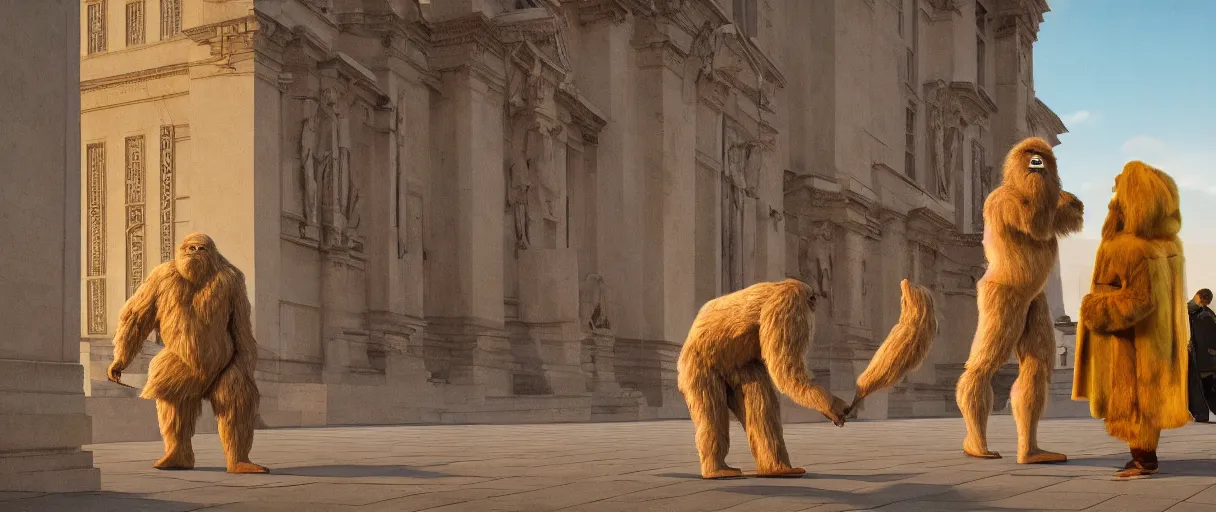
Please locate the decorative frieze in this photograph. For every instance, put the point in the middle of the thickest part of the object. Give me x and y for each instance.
(168, 163)
(136, 23)
(95, 248)
(135, 212)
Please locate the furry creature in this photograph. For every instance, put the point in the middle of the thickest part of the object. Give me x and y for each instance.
(745, 346)
(1131, 361)
(199, 305)
(1022, 219)
(906, 346)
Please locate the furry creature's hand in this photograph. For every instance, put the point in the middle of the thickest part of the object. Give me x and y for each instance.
(1070, 214)
(838, 412)
(114, 374)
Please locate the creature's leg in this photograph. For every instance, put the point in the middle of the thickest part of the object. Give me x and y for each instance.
(178, 396)
(1029, 397)
(755, 402)
(705, 394)
(1143, 444)
(234, 397)
(1002, 319)
(177, 420)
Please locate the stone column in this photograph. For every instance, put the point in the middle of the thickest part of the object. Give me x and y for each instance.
(42, 417)
(465, 229)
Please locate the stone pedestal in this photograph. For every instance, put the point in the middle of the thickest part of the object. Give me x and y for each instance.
(42, 416)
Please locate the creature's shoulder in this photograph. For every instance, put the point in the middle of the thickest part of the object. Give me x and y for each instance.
(231, 276)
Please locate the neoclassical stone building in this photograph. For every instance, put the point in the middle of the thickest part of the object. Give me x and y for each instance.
(511, 210)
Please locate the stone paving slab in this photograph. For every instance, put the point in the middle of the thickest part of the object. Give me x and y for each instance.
(894, 465)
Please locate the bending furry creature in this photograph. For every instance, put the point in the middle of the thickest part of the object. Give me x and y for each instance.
(1133, 331)
(746, 345)
(1022, 218)
(199, 304)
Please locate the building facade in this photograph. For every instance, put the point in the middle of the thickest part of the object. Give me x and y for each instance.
(510, 210)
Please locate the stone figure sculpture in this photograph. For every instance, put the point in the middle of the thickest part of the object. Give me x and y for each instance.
(308, 159)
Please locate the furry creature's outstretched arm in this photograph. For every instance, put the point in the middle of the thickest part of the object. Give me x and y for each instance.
(784, 335)
(136, 321)
(1006, 207)
(240, 325)
(1070, 214)
(1113, 311)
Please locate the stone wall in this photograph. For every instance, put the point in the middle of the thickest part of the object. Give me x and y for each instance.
(510, 211)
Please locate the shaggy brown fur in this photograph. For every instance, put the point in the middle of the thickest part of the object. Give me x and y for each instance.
(1133, 331)
(1022, 218)
(199, 304)
(906, 346)
(742, 348)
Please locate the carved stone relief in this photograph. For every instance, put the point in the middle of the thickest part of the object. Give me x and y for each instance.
(734, 190)
(945, 138)
(168, 203)
(309, 140)
(592, 303)
(97, 26)
(96, 246)
(533, 189)
(135, 212)
(980, 183)
(815, 259)
(170, 18)
(136, 23)
(700, 62)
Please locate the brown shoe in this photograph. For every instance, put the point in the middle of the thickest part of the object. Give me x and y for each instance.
(1143, 464)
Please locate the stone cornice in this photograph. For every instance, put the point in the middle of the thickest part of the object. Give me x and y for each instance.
(583, 114)
(220, 36)
(1046, 119)
(134, 77)
(476, 30)
(975, 101)
(469, 43)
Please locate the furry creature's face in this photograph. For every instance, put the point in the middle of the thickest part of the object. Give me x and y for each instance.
(1031, 166)
(197, 257)
(1144, 202)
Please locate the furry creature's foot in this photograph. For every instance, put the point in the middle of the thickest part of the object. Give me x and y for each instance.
(781, 473)
(175, 462)
(247, 467)
(979, 451)
(1041, 457)
(723, 472)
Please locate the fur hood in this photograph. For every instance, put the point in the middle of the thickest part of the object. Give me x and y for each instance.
(1145, 204)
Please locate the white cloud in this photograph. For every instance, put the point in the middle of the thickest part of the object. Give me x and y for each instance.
(1143, 146)
(1075, 118)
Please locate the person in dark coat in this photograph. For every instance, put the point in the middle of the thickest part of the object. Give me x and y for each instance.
(1201, 395)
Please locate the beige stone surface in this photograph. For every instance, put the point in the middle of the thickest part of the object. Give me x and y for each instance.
(908, 465)
(42, 414)
(510, 211)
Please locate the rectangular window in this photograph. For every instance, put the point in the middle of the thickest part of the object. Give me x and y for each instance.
(981, 69)
(746, 17)
(911, 65)
(910, 143)
(899, 6)
(170, 18)
(135, 23)
(97, 27)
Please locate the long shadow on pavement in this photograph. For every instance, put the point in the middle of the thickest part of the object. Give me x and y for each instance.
(358, 471)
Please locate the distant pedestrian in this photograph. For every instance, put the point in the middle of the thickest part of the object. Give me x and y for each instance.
(1201, 394)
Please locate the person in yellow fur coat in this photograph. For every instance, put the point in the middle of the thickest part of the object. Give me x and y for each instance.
(1132, 334)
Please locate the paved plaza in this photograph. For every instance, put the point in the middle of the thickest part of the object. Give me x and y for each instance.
(649, 466)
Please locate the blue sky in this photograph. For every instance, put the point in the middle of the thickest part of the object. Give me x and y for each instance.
(1133, 80)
